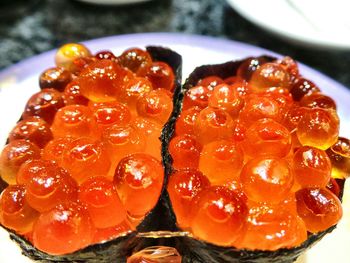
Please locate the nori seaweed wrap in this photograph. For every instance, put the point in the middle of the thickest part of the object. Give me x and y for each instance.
(118, 249)
(195, 250)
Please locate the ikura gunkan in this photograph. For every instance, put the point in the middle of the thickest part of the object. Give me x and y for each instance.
(255, 154)
(83, 165)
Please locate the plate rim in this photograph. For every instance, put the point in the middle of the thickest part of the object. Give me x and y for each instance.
(182, 38)
(22, 67)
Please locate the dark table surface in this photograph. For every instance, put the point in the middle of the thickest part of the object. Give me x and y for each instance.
(48, 24)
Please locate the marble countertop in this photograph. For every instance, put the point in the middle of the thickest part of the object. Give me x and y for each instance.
(45, 25)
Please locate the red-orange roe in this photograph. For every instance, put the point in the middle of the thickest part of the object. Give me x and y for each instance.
(267, 137)
(161, 75)
(14, 155)
(85, 157)
(213, 124)
(221, 160)
(271, 228)
(33, 129)
(319, 208)
(267, 179)
(185, 151)
(219, 216)
(184, 185)
(312, 167)
(72, 120)
(47, 184)
(102, 80)
(15, 212)
(63, 230)
(102, 202)
(139, 180)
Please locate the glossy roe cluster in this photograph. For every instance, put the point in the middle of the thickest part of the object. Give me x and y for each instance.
(83, 165)
(253, 157)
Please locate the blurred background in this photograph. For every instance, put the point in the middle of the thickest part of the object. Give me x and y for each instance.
(29, 27)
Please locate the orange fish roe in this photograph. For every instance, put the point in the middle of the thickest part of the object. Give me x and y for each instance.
(267, 141)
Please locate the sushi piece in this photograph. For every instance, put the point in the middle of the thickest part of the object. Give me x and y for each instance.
(250, 169)
(82, 171)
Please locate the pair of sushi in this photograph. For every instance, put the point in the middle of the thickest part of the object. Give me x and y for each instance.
(159, 226)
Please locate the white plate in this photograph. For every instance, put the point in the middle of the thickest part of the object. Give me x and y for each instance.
(20, 81)
(314, 23)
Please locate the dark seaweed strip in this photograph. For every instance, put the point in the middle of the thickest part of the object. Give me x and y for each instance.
(199, 251)
(156, 219)
(118, 249)
(112, 251)
(3, 184)
(341, 184)
(194, 250)
(168, 221)
(175, 61)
